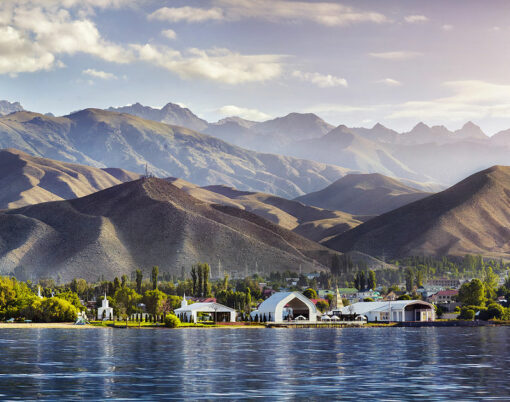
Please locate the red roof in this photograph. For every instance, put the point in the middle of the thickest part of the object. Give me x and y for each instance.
(314, 301)
(449, 292)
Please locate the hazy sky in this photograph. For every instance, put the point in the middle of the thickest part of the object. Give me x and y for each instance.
(351, 62)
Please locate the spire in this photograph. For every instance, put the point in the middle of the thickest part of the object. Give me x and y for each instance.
(184, 302)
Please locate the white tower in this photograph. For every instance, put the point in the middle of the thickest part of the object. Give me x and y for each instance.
(184, 302)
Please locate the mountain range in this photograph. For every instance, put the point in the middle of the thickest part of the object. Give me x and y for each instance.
(470, 217)
(432, 157)
(143, 223)
(7, 107)
(104, 139)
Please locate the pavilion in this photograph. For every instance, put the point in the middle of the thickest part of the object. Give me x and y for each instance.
(395, 311)
(219, 312)
(283, 306)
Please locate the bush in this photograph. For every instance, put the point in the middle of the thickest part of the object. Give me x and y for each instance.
(467, 314)
(493, 311)
(368, 299)
(404, 297)
(52, 309)
(171, 321)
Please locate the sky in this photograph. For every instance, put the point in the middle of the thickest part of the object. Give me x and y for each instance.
(397, 62)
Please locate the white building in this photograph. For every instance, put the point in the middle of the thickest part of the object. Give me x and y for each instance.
(284, 305)
(399, 310)
(105, 312)
(219, 312)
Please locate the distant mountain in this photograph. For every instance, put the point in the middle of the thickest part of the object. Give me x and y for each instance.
(7, 107)
(470, 131)
(169, 114)
(363, 194)
(295, 126)
(109, 139)
(471, 217)
(144, 223)
(310, 222)
(26, 179)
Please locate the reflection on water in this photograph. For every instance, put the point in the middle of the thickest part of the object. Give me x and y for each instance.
(366, 364)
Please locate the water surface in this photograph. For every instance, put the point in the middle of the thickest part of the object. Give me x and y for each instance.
(313, 364)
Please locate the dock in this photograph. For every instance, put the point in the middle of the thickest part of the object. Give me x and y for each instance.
(319, 324)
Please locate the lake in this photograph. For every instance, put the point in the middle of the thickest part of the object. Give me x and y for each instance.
(313, 364)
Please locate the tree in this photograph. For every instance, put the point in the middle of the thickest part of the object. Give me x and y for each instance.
(472, 293)
(124, 280)
(322, 306)
(14, 297)
(154, 277)
(490, 282)
(72, 298)
(310, 293)
(52, 309)
(409, 274)
(194, 280)
(371, 281)
(79, 286)
(206, 287)
(116, 284)
(139, 278)
(419, 279)
(171, 321)
(335, 265)
(154, 300)
(248, 300)
(359, 280)
(200, 280)
(126, 300)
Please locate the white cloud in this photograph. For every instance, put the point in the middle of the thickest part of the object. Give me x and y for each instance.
(169, 34)
(324, 13)
(397, 55)
(447, 27)
(413, 19)
(390, 82)
(188, 14)
(471, 99)
(245, 113)
(321, 80)
(34, 33)
(99, 74)
(221, 65)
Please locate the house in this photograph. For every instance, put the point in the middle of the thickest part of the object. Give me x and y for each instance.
(399, 310)
(286, 306)
(219, 312)
(444, 296)
(268, 293)
(445, 283)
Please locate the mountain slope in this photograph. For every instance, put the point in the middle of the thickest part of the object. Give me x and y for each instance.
(104, 139)
(26, 179)
(313, 223)
(140, 224)
(363, 194)
(471, 217)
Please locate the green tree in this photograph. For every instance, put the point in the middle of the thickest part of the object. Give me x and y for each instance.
(472, 293)
(335, 265)
(409, 274)
(322, 306)
(194, 280)
(15, 296)
(371, 281)
(154, 300)
(72, 298)
(490, 282)
(154, 277)
(139, 279)
(200, 276)
(123, 280)
(52, 309)
(310, 293)
(248, 300)
(206, 287)
(126, 300)
(79, 286)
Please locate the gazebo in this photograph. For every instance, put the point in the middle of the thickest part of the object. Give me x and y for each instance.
(286, 305)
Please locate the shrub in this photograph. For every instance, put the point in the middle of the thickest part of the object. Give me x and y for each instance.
(493, 311)
(171, 321)
(52, 309)
(368, 299)
(404, 297)
(467, 314)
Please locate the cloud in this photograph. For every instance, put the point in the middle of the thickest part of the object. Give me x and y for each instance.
(99, 74)
(447, 27)
(414, 19)
(188, 14)
(221, 65)
(245, 113)
(397, 55)
(32, 37)
(390, 82)
(470, 99)
(320, 80)
(169, 34)
(324, 13)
